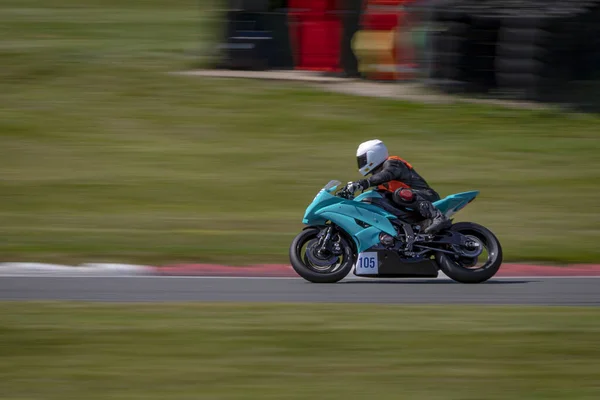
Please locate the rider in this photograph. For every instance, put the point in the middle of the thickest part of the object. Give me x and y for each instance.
(395, 176)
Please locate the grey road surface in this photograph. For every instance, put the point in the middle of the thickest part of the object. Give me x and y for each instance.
(541, 291)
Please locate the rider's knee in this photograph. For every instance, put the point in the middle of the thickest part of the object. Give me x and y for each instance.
(404, 196)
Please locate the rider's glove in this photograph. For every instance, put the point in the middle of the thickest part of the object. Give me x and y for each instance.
(353, 187)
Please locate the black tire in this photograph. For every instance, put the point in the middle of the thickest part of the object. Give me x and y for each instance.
(458, 272)
(299, 261)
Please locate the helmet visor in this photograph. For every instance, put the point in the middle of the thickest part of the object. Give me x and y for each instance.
(362, 161)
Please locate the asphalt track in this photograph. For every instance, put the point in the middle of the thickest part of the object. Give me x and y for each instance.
(509, 291)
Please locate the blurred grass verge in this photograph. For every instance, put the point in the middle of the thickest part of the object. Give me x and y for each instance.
(106, 157)
(74, 351)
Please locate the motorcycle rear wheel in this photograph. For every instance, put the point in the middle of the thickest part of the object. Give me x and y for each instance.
(461, 269)
(319, 274)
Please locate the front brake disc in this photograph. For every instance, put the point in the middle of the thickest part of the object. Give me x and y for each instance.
(311, 253)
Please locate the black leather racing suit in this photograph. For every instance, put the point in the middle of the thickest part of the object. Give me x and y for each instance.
(397, 170)
(396, 174)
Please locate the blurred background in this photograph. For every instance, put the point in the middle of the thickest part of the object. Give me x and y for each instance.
(109, 155)
(545, 51)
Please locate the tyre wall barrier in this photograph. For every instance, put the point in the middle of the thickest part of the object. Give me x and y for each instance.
(526, 50)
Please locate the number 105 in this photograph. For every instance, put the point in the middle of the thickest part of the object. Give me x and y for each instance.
(367, 262)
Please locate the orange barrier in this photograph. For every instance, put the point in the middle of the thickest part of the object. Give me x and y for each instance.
(383, 46)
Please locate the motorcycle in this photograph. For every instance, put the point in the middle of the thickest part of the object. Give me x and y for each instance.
(381, 240)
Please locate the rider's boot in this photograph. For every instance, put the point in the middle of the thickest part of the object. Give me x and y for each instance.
(435, 221)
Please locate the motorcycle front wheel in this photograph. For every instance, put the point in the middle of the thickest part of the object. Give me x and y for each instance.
(320, 268)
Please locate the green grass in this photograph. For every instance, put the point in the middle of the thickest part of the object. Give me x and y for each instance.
(106, 157)
(75, 351)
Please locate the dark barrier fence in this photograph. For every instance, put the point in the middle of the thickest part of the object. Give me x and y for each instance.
(256, 36)
(350, 12)
(546, 51)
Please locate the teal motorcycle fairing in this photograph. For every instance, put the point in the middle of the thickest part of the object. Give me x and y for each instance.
(364, 222)
(450, 205)
(347, 214)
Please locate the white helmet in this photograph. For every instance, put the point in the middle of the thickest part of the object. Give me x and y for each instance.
(370, 155)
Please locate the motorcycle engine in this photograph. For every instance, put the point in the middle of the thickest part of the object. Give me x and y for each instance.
(387, 240)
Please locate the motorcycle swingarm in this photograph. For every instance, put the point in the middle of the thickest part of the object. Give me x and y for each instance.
(449, 238)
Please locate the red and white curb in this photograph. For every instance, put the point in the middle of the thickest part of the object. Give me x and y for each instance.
(258, 271)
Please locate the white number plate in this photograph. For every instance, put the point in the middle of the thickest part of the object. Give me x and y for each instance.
(367, 264)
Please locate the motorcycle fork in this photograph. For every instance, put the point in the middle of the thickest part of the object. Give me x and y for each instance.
(325, 243)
